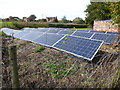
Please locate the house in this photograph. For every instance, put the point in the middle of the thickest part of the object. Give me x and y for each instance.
(25, 19)
(51, 19)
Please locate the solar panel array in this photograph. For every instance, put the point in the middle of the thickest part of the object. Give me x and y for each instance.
(83, 43)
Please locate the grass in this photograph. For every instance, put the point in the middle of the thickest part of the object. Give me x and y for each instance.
(85, 28)
(39, 49)
(59, 70)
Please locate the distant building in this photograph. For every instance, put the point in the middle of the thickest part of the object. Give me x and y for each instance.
(25, 19)
(51, 19)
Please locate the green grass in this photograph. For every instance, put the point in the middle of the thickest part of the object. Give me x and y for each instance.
(39, 49)
(8, 25)
(59, 70)
(85, 28)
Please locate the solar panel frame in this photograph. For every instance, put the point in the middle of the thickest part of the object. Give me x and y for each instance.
(82, 30)
(77, 54)
(94, 31)
(82, 34)
(108, 32)
(7, 31)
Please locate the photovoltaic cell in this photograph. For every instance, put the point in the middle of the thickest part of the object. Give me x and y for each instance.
(48, 39)
(100, 36)
(78, 46)
(94, 31)
(83, 34)
(82, 30)
(112, 32)
(31, 36)
(21, 34)
(110, 38)
(53, 31)
(42, 30)
(65, 32)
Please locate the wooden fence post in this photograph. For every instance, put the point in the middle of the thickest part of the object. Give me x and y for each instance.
(13, 60)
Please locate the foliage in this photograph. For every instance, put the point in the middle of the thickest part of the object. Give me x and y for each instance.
(20, 25)
(97, 11)
(39, 49)
(58, 70)
(8, 25)
(43, 20)
(64, 20)
(32, 18)
(78, 20)
(103, 11)
(66, 25)
(115, 11)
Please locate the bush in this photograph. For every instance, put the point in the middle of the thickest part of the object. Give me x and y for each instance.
(61, 25)
(20, 25)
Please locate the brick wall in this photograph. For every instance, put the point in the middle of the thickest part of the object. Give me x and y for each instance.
(106, 25)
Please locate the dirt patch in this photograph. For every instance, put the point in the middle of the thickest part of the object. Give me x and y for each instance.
(56, 69)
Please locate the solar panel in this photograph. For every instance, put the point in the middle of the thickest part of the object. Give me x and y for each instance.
(82, 30)
(78, 46)
(112, 32)
(21, 34)
(14, 32)
(100, 36)
(53, 31)
(7, 31)
(94, 31)
(48, 39)
(65, 32)
(42, 30)
(32, 35)
(83, 34)
(107, 38)
(110, 38)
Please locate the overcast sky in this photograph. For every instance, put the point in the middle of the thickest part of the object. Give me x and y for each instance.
(43, 8)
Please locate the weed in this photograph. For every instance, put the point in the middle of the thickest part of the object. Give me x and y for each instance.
(39, 49)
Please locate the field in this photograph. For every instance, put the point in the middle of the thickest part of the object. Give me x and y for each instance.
(44, 67)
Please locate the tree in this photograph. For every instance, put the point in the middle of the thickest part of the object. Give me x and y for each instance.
(32, 18)
(97, 11)
(78, 20)
(56, 20)
(64, 20)
(115, 11)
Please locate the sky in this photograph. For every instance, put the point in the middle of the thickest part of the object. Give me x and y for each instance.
(44, 8)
